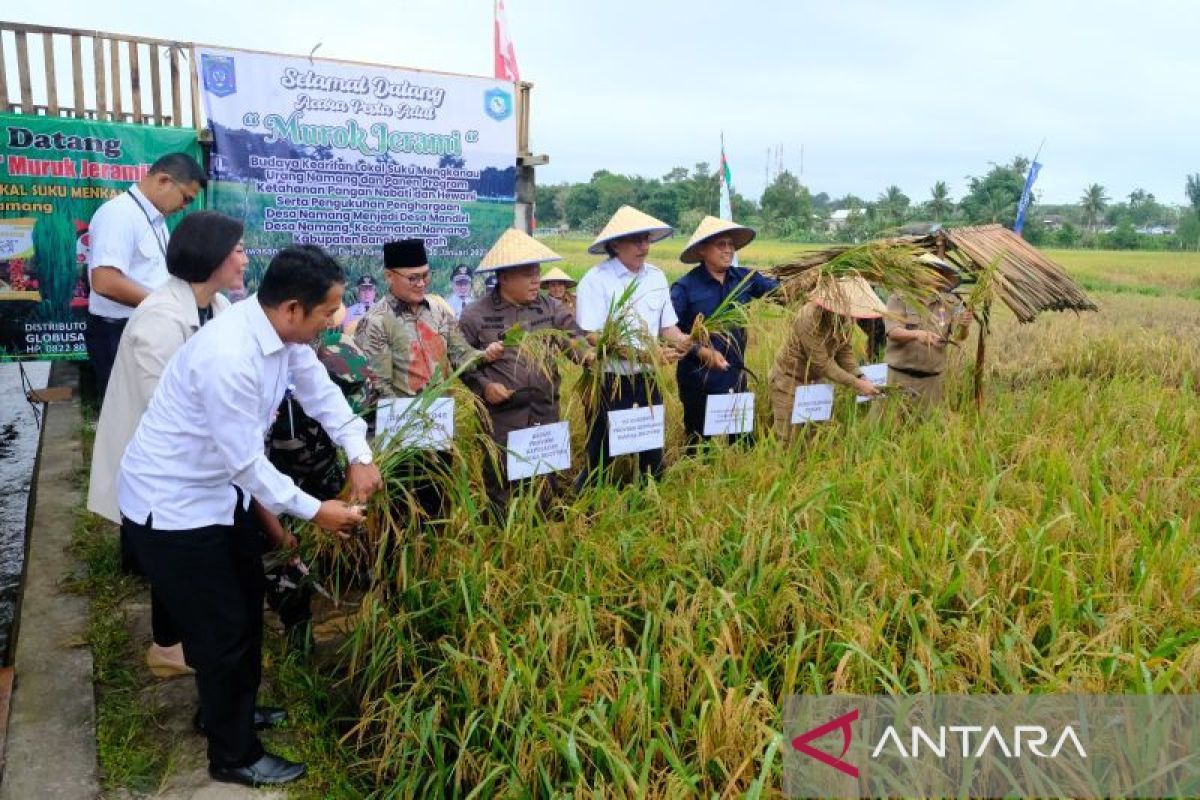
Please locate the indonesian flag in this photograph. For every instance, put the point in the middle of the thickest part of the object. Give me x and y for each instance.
(726, 186)
(726, 178)
(506, 56)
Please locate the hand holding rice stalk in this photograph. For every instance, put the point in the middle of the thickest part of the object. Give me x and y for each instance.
(727, 317)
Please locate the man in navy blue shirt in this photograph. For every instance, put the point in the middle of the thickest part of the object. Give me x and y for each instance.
(701, 291)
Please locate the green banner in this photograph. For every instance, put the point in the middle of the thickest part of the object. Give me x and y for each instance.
(54, 174)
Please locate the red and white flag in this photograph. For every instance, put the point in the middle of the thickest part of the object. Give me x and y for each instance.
(506, 56)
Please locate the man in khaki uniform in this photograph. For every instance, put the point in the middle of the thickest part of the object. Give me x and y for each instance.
(818, 348)
(917, 338)
(519, 392)
(408, 337)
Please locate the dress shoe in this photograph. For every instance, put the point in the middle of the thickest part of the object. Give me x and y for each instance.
(264, 717)
(167, 662)
(270, 770)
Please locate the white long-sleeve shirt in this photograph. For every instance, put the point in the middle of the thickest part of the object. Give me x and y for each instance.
(204, 430)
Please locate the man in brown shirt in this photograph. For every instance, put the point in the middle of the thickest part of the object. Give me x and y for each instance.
(519, 392)
(917, 339)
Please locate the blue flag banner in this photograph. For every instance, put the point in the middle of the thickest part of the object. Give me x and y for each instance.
(1026, 196)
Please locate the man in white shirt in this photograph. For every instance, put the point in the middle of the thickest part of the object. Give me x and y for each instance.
(128, 258)
(195, 462)
(626, 239)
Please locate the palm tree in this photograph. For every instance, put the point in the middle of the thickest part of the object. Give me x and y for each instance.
(1093, 203)
(940, 203)
(893, 204)
(1193, 191)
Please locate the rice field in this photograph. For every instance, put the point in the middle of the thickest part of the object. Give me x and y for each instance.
(642, 644)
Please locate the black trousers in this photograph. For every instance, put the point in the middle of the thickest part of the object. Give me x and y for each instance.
(161, 627)
(621, 392)
(694, 402)
(102, 337)
(211, 582)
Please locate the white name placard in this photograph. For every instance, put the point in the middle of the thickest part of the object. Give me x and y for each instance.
(876, 374)
(814, 403)
(729, 413)
(419, 422)
(539, 450)
(634, 430)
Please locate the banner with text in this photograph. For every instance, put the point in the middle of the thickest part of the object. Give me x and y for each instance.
(351, 156)
(54, 174)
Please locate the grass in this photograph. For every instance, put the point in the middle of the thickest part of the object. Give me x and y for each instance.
(131, 747)
(642, 644)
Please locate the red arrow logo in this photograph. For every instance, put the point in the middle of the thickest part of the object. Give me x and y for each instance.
(801, 743)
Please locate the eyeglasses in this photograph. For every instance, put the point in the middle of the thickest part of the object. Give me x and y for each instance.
(413, 280)
(187, 196)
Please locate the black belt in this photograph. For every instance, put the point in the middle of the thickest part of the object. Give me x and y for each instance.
(109, 320)
(916, 373)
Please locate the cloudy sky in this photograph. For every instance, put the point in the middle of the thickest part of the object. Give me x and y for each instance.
(875, 92)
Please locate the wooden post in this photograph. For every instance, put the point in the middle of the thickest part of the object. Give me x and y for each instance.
(176, 90)
(156, 84)
(98, 70)
(4, 104)
(77, 75)
(51, 80)
(135, 80)
(114, 53)
(23, 73)
(194, 78)
(981, 351)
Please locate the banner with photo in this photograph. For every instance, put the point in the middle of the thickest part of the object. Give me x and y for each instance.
(54, 174)
(350, 156)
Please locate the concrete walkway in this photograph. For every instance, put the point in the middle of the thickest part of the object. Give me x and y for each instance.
(51, 747)
(51, 750)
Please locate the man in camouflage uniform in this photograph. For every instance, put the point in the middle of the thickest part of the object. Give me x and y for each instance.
(300, 448)
(408, 338)
(519, 393)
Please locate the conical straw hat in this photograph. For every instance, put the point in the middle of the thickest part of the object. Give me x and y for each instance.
(850, 296)
(711, 227)
(556, 274)
(513, 249)
(626, 222)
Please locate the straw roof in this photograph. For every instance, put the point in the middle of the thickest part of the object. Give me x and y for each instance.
(1025, 279)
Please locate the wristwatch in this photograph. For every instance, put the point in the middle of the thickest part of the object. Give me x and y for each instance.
(364, 459)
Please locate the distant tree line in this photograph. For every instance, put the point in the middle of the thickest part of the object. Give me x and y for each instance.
(789, 210)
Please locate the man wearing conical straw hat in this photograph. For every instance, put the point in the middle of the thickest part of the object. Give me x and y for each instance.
(917, 339)
(626, 239)
(519, 391)
(698, 294)
(818, 346)
(558, 285)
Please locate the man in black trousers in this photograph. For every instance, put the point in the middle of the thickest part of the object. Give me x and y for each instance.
(195, 463)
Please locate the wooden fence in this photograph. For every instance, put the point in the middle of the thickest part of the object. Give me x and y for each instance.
(112, 76)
